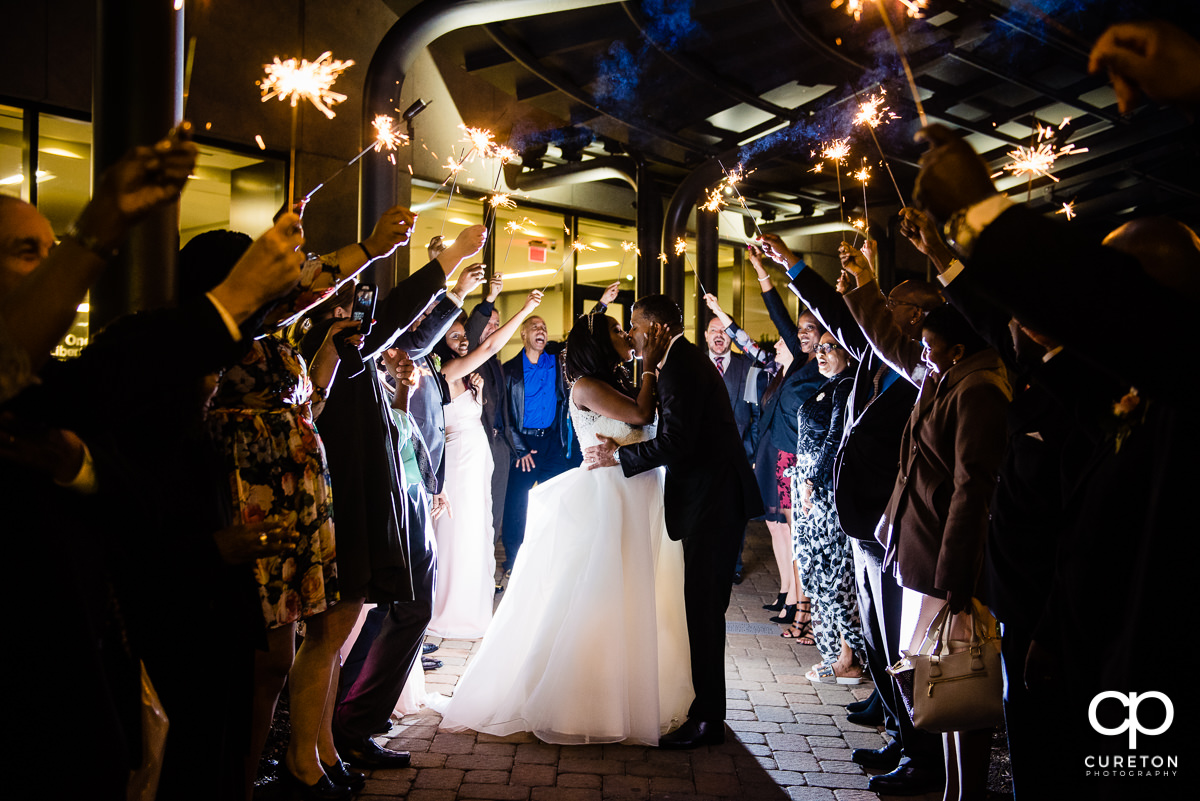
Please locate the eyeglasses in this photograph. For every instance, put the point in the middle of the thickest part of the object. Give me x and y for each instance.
(892, 303)
(827, 347)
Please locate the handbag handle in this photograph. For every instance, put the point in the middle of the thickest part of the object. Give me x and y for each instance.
(939, 629)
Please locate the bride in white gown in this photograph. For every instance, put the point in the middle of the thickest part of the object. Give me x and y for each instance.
(590, 642)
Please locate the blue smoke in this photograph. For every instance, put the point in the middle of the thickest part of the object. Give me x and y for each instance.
(617, 75)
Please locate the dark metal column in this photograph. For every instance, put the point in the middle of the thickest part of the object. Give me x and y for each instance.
(707, 243)
(138, 96)
(649, 230)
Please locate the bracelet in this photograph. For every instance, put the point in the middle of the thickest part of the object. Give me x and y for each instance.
(366, 252)
(764, 278)
(650, 373)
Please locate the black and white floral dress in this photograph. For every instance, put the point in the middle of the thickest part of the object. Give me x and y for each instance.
(820, 547)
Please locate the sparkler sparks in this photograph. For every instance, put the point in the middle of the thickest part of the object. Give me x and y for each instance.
(628, 246)
(298, 79)
(836, 150)
(481, 140)
(680, 246)
(578, 247)
(502, 201)
(872, 112)
(864, 174)
(715, 200)
(514, 227)
(1038, 159)
(855, 8)
(386, 135)
(1068, 209)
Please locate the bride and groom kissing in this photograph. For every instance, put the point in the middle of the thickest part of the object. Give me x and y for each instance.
(626, 574)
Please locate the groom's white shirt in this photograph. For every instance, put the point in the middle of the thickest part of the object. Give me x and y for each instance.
(670, 345)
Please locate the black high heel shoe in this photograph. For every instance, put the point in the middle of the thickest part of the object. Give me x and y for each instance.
(340, 774)
(324, 790)
(788, 616)
(775, 607)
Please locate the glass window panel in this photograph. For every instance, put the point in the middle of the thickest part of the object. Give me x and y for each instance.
(12, 138)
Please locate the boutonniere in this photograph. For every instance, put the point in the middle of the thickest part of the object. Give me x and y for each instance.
(1123, 410)
(437, 362)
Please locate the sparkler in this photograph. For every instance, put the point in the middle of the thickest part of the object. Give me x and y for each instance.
(497, 201)
(731, 180)
(512, 226)
(871, 114)
(835, 151)
(576, 247)
(912, 8)
(1038, 159)
(1068, 209)
(681, 250)
(386, 136)
(863, 176)
(294, 80)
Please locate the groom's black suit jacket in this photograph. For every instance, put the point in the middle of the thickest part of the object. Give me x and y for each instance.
(709, 485)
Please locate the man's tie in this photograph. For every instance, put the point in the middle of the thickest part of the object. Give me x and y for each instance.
(721, 365)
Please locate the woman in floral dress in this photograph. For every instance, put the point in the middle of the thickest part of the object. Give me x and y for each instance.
(261, 418)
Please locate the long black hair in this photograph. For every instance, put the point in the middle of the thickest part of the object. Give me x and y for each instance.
(447, 353)
(590, 353)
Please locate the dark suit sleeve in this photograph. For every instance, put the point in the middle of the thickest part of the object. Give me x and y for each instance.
(403, 304)
(1055, 282)
(478, 321)
(830, 309)
(681, 393)
(989, 321)
(784, 323)
(902, 354)
(419, 340)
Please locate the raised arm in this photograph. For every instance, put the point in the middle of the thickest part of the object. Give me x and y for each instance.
(465, 365)
(869, 307)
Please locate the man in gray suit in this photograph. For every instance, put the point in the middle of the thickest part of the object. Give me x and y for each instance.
(734, 369)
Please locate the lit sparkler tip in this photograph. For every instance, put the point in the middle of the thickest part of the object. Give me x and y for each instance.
(453, 166)
(502, 201)
(714, 201)
(578, 246)
(386, 135)
(680, 246)
(1068, 209)
(627, 246)
(854, 8)
(836, 150)
(662, 257)
(864, 174)
(872, 112)
(819, 167)
(298, 79)
(505, 154)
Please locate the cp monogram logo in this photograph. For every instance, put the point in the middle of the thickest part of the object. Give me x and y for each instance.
(1131, 723)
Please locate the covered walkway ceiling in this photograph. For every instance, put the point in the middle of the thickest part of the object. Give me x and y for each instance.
(765, 82)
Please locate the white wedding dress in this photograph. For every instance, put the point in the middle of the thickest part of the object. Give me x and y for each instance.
(589, 644)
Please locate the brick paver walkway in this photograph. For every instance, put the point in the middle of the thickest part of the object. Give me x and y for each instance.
(791, 739)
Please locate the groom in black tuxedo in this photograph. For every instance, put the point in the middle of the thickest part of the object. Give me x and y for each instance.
(709, 495)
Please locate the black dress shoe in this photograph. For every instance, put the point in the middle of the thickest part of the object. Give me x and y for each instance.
(872, 717)
(907, 780)
(324, 790)
(429, 648)
(693, 734)
(737, 577)
(363, 752)
(886, 758)
(429, 663)
(864, 704)
(340, 774)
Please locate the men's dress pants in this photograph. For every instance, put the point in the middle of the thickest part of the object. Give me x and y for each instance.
(390, 641)
(1034, 746)
(880, 599)
(502, 465)
(708, 564)
(549, 461)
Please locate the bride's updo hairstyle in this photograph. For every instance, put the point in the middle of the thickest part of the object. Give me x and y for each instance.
(590, 353)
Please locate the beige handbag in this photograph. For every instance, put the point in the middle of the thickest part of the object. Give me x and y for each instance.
(960, 691)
